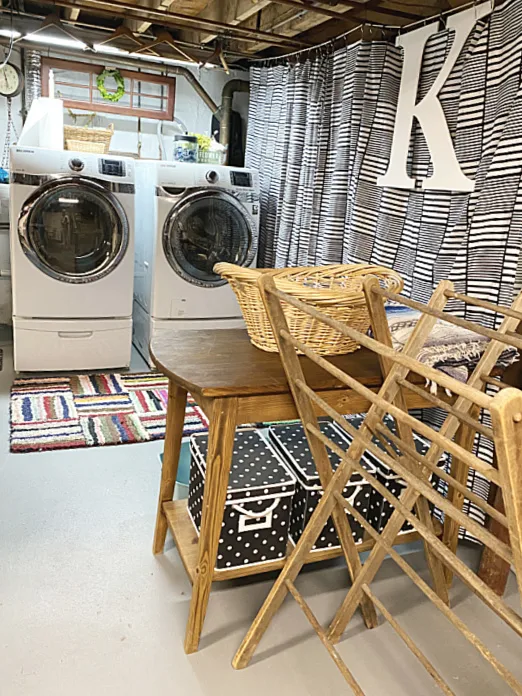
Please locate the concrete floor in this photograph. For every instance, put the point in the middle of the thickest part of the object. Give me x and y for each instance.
(85, 609)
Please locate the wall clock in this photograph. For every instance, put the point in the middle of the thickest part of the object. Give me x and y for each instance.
(11, 80)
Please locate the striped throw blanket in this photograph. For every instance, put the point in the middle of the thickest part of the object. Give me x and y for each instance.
(449, 348)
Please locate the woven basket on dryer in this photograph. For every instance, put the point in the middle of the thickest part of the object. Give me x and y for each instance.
(334, 290)
(83, 139)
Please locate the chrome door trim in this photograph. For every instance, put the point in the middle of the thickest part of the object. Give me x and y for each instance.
(186, 202)
(40, 179)
(79, 182)
(166, 191)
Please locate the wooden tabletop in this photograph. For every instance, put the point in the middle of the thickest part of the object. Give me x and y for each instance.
(223, 362)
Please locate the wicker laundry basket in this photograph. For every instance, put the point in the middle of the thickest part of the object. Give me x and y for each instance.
(334, 290)
(82, 139)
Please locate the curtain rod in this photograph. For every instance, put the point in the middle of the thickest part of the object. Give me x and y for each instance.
(330, 44)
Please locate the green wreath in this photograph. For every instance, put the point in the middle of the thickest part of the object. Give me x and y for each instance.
(120, 85)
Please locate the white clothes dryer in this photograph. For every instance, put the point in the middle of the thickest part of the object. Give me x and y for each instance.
(72, 250)
(188, 218)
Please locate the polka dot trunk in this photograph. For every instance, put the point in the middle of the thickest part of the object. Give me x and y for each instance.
(380, 510)
(290, 441)
(256, 518)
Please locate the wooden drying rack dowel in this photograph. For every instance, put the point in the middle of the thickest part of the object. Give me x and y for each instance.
(473, 461)
(509, 337)
(472, 422)
(411, 452)
(398, 452)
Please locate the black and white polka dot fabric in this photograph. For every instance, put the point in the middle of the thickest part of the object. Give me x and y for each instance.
(290, 441)
(259, 499)
(380, 510)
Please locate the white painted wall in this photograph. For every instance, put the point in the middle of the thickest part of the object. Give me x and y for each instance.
(188, 107)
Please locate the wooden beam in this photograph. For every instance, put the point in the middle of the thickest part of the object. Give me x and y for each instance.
(72, 13)
(291, 21)
(189, 7)
(233, 12)
(370, 12)
(315, 8)
(123, 8)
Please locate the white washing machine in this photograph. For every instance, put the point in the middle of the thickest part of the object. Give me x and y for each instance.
(188, 218)
(72, 252)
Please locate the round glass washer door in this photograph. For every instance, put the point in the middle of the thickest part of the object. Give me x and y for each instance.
(74, 230)
(207, 227)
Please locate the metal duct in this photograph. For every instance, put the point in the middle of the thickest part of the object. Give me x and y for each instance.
(33, 80)
(227, 96)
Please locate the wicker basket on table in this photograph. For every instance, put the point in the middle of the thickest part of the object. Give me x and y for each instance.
(83, 139)
(335, 290)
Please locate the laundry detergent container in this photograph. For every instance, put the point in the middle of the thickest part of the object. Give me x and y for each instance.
(259, 497)
(291, 443)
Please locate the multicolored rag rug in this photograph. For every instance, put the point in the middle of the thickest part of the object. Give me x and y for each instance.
(50, 413)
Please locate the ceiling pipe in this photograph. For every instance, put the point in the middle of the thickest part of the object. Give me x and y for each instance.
(198, 87)
(227, 96)
(127, 9)
(88, 26)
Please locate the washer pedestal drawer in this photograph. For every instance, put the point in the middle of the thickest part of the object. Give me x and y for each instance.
(71, 344)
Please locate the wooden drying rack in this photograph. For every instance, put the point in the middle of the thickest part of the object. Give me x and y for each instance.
(455, 436)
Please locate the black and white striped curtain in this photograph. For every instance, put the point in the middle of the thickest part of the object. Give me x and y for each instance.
(320, 132)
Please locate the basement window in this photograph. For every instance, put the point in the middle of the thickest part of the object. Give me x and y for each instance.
(146, 95)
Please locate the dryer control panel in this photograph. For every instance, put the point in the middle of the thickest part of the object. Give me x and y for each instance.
(240, 178)
(52, 163)
(112, 167)
(184, 175)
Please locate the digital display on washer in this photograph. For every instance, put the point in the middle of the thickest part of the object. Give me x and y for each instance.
(112, 167)
(241, 179)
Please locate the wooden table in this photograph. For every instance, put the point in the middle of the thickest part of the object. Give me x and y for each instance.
(234, 383)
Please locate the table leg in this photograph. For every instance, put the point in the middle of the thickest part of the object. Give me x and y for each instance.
(176, 406)
(222, 429)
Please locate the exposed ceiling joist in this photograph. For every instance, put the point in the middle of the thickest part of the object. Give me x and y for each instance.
(243, 28)
(318, 9)
(92, 31)
(372, 12)
(120, 8)
(72, 13)
(391, 8)
(233, 13)
(293, 18)
(189, 7)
